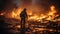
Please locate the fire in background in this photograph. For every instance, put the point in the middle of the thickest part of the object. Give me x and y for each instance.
(40, 14)
(15, 13)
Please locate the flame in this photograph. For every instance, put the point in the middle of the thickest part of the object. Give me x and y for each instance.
(18, 26)
(33, 17)
(15, 13)
(52, 13)
(2, 13)
(49, 16)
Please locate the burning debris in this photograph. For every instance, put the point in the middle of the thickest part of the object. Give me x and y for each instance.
(48, 16)
(52, 13)
(35, 22)
(43, 17)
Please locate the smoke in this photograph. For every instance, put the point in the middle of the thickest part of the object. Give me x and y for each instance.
(33, 2)
(17, 3)
(40, 6)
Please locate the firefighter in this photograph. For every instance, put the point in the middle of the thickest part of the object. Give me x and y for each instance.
(23, 17)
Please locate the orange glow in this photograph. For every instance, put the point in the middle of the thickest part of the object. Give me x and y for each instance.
(52, 13)
(52, 10)
(49, 16)
(39, 29)
(18, 26)
(33, 17)
(15, 13)
(2, 13)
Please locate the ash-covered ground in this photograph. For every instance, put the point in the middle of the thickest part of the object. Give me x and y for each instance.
(12, 26)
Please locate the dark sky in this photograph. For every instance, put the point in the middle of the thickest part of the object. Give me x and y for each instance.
(45, 3)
